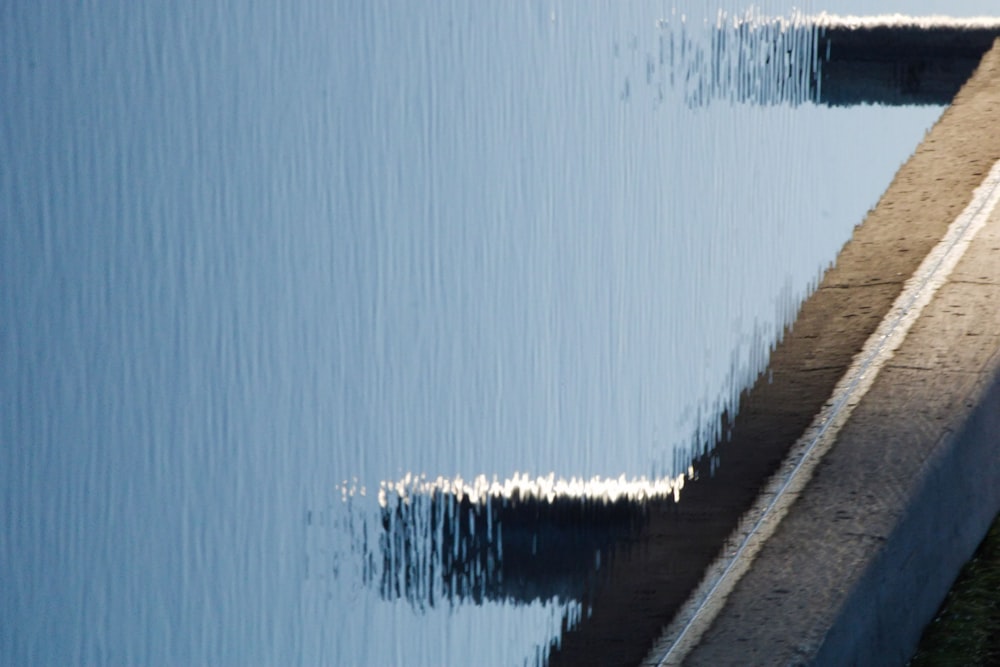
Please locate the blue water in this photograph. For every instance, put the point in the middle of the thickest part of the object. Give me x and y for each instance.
(254, 256)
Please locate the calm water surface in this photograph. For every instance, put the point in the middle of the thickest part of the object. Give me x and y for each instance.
(257, 261)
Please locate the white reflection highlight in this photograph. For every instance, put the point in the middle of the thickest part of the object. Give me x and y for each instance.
(523, 486)
(904, 21)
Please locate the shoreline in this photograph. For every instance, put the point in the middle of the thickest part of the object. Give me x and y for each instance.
(654, 574)
(872, 544)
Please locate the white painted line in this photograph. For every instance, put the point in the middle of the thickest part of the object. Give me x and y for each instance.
(760, 522)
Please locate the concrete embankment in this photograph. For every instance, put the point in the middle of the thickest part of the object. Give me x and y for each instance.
(873, 534)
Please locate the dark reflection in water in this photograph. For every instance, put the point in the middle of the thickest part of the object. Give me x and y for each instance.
(495, 550)
(830, 60)
(905, 62)
(627, 553)
(439, 546)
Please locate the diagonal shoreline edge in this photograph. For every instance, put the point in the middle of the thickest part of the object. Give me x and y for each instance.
(763, 517)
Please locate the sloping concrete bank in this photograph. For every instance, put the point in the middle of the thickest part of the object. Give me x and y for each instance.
(873, 540)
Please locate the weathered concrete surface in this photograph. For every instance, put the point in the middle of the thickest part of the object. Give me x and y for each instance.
(869, 550)
(650, 576)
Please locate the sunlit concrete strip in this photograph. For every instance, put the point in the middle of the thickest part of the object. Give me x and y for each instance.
(850, 624)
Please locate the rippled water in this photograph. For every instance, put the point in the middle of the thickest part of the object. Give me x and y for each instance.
(260, 264)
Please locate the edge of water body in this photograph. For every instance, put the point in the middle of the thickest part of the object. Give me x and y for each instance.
(776, 499)
(688, 629)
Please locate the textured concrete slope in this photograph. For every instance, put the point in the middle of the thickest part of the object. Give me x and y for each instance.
(870, 547)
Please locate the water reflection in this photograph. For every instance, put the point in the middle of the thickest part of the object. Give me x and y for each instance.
(747, 58)
(251, 252)
(609, 559)
(617, 556)
(519, 541)
(898, 59)
(827, 59)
